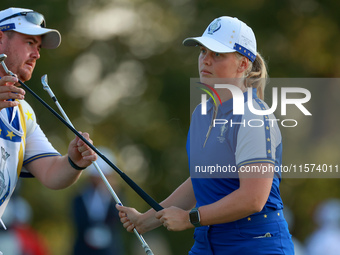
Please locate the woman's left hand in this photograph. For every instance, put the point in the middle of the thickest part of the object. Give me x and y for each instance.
(174, 218)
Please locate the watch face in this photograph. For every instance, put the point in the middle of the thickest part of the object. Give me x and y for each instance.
(194, 217)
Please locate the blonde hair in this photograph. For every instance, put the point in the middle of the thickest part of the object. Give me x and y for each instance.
(256, 75)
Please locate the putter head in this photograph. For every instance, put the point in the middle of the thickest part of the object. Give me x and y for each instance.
(44, 82)
(2, 58)
(46, 87)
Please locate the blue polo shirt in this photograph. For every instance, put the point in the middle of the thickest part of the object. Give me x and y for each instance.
(217, 151)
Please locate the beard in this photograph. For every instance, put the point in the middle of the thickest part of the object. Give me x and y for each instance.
(16, 64)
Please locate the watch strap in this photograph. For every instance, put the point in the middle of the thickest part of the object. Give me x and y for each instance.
(196, 222)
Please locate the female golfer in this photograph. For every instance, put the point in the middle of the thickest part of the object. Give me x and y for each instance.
(236, 208)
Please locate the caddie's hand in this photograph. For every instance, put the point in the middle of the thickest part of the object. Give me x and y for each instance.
(8, 90)
(80, 153)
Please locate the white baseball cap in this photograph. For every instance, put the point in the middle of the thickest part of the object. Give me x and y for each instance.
(29, 22)
(226, 34)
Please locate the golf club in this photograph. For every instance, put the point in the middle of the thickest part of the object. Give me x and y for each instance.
(107, 184)
(148, 199)
(3, 225)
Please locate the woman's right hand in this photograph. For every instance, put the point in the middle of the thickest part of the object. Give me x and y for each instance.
(130, 218)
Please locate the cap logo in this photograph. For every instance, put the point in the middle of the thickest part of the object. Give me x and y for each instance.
(7, 27)
(216, 25)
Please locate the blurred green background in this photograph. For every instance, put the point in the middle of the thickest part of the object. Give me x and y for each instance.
(122, 74)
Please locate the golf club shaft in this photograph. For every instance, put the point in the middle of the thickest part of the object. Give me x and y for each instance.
(148, 199)
(3, 225)
(94, 163)
(129, 181)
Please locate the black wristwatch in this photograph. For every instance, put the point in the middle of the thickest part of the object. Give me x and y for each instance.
(194, 217)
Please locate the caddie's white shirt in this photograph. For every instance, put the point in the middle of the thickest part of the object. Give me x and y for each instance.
(21, 142)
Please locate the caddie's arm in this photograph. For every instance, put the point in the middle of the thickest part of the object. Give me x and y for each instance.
(59, 172)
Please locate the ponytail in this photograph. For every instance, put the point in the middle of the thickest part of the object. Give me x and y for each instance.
(257, 75)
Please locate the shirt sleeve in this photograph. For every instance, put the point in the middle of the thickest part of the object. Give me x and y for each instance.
(257, 138)
(37, 144)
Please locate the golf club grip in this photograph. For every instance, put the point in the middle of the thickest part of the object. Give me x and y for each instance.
(141, 192)
(147, 198)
